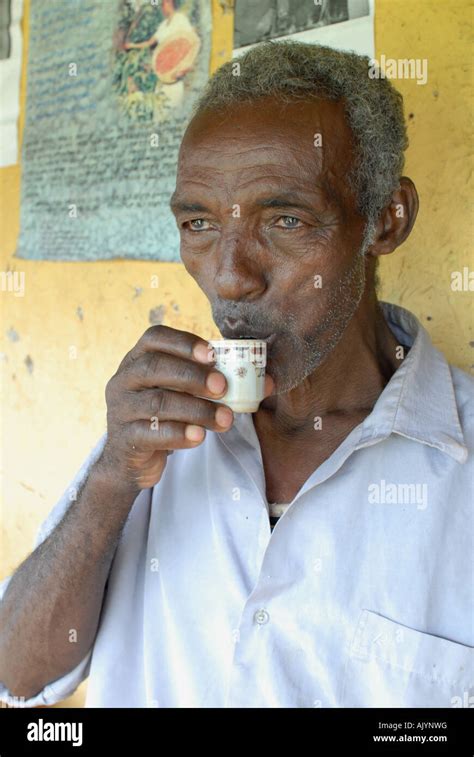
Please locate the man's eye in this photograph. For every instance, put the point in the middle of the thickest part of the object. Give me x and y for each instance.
(197, 224)
(290, 222)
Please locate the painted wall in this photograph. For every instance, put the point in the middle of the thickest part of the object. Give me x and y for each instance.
(53, 406)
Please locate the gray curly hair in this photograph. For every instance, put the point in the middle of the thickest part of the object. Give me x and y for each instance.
(292, 71)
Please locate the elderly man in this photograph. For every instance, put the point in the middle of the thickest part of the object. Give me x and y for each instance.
(159, 576)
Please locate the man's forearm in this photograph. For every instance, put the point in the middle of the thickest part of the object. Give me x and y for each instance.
(51, 608)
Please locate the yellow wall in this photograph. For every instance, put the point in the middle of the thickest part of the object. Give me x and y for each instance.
(53, 407)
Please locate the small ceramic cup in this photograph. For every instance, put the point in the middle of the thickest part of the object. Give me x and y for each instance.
(242, 361)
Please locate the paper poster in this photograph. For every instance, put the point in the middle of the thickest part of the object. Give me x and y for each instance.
(10, 73)
(342, 24)
(109, 93)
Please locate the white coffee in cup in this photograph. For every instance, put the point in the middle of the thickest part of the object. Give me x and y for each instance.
(242, 361)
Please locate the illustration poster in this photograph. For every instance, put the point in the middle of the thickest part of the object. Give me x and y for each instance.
(110, 88)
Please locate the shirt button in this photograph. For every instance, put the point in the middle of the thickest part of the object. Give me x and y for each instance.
(261, 617)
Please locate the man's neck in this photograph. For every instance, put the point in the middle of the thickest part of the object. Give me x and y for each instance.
(344, 388)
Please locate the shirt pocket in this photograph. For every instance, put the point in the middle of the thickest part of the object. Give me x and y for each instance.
(390, 665)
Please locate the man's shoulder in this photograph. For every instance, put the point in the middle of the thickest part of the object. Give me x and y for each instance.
(463, 384)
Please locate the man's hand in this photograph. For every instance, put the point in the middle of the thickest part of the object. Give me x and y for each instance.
(156, 403)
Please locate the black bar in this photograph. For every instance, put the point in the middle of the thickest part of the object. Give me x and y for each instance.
(318, 731)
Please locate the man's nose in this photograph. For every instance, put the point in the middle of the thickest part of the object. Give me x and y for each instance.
(239, 274)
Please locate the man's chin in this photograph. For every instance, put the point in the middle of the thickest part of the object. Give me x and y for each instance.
(281, 384)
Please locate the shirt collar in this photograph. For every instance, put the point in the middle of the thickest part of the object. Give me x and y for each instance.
(418, 401)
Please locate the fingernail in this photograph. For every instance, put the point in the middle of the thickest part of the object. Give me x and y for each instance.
(224, 416)
(216, 383)
(194, 433)
(204, 353)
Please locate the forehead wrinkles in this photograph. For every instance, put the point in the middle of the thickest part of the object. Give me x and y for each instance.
(249, 149)
(276, 170)
(272, 133)
(219, 158)
(238, 158)
(230, 172)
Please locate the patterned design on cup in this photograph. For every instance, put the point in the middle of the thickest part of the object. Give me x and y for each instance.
(256, 354)
(243, 362)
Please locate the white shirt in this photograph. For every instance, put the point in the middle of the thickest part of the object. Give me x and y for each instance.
(361, 596)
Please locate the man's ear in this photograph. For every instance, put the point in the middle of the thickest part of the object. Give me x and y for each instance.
(396, 220)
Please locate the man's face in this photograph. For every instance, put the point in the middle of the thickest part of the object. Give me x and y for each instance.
(269, 228)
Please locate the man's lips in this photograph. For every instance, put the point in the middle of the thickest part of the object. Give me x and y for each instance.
(238, 330)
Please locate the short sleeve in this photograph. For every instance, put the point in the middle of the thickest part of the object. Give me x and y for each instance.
(66, 685)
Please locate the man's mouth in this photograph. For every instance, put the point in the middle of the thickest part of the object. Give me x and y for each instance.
(269, 339)
(234, 329)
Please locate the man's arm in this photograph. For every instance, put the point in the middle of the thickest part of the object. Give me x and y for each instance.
(50, 612)
(160, 399)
